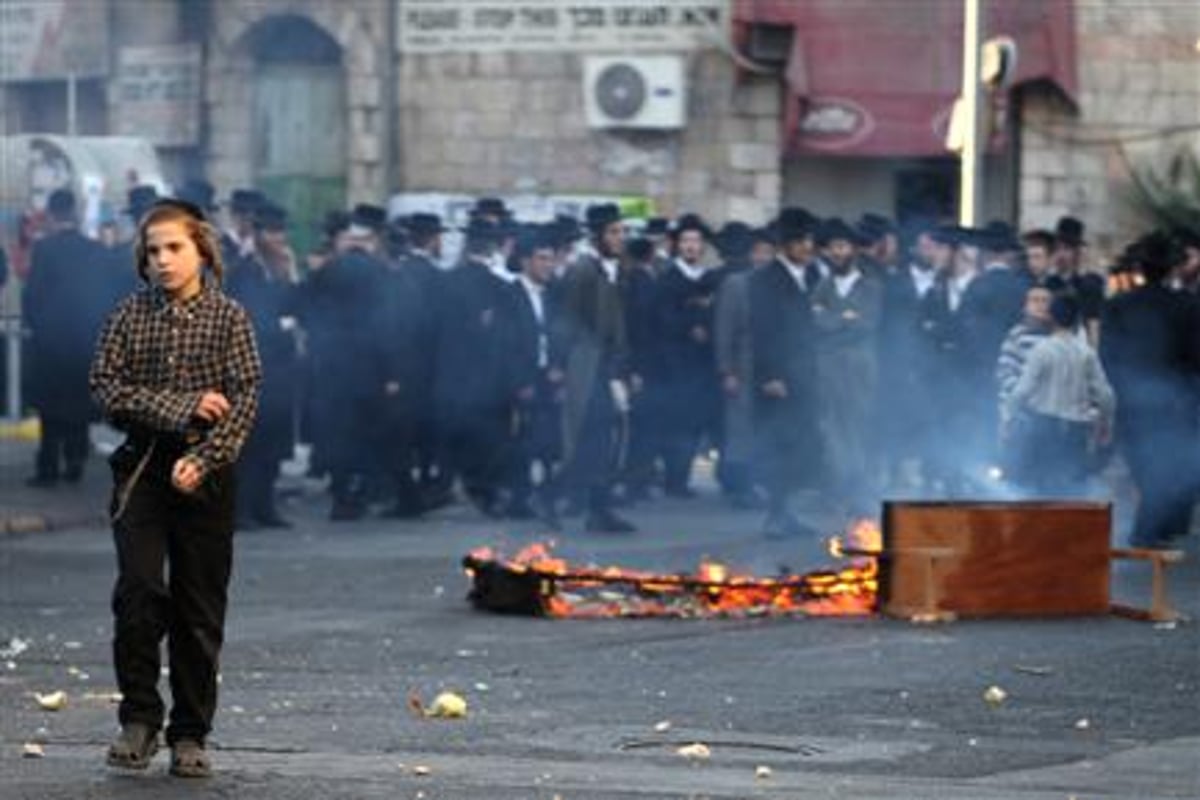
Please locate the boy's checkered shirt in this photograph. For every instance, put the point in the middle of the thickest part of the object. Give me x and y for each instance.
(156, 359)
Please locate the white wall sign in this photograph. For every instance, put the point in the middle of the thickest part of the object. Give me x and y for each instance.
(450, 26)
(157, 94)
(47, 39)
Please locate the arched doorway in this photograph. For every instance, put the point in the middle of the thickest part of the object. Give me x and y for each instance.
(299, 155)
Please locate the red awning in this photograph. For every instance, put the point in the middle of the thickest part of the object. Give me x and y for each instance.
(879, 77)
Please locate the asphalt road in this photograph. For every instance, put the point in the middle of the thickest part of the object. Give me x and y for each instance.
(332, 626)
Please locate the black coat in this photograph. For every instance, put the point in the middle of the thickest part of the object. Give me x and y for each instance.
(640, 296)
(1151, 352)
(995, 299)
(684, 307)
(64, 304)
(474, 343)
(782, 334)
(268, 301)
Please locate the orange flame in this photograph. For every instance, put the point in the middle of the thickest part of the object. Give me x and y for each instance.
(714, 589)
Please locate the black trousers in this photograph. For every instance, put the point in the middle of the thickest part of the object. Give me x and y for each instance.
(1059, 449)
(1159, 446)
(64, 443)
(162, 533)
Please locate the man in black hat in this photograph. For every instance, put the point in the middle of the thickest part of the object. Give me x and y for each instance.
(237, 241)
(1071, 275)
(473, 383)
(785, 374)
(65, 300)
(598, 383)
(999, 292)
(539, 377)
(639, 296)
(199, 193)
(686, 295)
(733, 351)
(265, 283)
(906, 355)
(342, 311)
(846, 309)
(1149, 350)
(658, 232)
(420, 287)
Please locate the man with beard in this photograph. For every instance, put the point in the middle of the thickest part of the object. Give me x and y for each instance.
(64, 303)
(906, 357)
(1149, 350)
(264, 283)
(735, 364)
(538, 379)
(422, 286)
(846, 310)
(598, 383)
(341, 310)
(784, 375)
(473, 382)
(685, 312)
(1071, 276)
(955, 438)
(639, 294)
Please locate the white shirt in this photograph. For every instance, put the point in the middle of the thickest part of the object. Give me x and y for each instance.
(537, 298)
(923, 279)
(611, 268)
(958, 287)
(796, 271)
(844, 284)
(498, 264)
(536, 294)
(690, 271)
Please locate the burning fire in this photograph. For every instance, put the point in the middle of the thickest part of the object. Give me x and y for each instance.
(536, 581)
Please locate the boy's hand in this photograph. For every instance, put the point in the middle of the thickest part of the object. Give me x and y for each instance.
(187, 474)
(213, 406)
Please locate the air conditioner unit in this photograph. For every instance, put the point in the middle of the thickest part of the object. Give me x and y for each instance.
(646, 92)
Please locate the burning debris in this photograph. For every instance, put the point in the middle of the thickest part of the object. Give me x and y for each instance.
(534, 581)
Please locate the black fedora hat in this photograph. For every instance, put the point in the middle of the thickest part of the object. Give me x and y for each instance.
(140, 199)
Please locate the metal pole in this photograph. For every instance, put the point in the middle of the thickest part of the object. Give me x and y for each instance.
(72, 105)
(970, 184)
(12, 338)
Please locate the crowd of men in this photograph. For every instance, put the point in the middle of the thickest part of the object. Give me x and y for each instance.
(575, 366)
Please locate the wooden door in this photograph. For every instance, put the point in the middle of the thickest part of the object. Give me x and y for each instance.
(300, 150)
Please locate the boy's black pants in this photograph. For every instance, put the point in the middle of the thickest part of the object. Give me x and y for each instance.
(174, 557)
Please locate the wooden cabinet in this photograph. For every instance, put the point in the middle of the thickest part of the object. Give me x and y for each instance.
(977, 559)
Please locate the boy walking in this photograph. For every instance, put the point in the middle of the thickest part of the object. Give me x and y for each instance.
(178, 371)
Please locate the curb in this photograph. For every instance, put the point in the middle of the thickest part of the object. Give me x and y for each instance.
(22, 524)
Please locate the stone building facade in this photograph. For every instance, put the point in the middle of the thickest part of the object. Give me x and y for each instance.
(1138, 103)
(374, 118)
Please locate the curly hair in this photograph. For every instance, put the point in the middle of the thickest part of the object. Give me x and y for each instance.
(202, 232)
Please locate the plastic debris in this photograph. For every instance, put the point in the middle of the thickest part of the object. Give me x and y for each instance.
(447, 705)
(994, 696)
(421, 769)
(32, 750)
(663, 726)
(14, 648)
(695, 750)
(762, 772)
(1083, 724)
(53, 701)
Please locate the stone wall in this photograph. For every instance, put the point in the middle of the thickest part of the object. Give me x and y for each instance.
(1139, 75)
(358, 27)
(505, 122)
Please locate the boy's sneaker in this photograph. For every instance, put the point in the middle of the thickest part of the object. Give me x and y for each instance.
(134, 746)
(189, 759)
